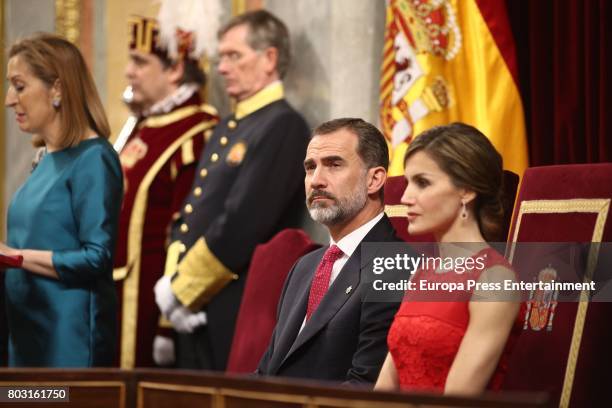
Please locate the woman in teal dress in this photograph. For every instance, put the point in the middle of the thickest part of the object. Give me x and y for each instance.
(61, 303)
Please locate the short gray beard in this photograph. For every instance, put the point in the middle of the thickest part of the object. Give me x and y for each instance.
(341, 210)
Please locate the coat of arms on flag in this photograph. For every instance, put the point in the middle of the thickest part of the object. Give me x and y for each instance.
(415, 27)
(443, 62)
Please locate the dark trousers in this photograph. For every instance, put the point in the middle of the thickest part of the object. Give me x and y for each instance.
(193, 351)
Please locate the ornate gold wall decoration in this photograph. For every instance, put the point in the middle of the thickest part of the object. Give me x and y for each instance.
(242, 6)
(238, 7)
(67, 19)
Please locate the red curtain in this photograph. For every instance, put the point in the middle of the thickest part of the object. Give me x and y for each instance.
(564, 52)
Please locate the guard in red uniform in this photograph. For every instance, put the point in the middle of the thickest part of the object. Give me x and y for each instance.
(159, 158)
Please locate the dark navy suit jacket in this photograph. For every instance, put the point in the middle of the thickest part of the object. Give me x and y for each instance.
(346, 338)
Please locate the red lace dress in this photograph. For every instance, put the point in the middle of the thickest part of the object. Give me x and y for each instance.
(425, 335)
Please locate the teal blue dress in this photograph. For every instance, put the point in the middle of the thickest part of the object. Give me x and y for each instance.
(69, 205)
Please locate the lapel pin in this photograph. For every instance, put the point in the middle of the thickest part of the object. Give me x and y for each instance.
(348, 290)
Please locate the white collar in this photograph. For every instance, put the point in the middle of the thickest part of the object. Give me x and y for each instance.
(351, 241)
(180, 95)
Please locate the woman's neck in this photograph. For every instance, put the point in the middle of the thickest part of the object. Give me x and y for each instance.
(51, 135)
(461, 231)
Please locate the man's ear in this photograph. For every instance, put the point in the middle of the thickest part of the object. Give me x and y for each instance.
(377, 176)
(271, 60)
(176, 72)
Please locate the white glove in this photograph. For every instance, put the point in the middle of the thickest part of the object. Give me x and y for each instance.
(165, 299)
(163, 351)
(197, 319)
(185, 321)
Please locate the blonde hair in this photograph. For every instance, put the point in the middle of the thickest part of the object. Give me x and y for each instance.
(52, 58)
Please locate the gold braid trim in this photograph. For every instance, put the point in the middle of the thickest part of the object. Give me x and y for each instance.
(211, 110)
(179, 114)
(201, 275)
(187, 156)
(398, 210)
(601, 207)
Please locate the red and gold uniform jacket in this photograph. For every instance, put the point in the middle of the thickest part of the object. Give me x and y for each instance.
(159, 162)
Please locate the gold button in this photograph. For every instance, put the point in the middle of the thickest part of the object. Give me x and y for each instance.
(182, 248)
(203, 173)
(188, 208)
(197, 191)
(214, 157)
(232, 124)
(184, 228)
(223, 141)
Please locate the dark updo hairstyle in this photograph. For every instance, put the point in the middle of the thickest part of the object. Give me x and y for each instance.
(471, 162)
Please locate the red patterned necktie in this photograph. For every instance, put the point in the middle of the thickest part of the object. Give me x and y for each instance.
(320, 283)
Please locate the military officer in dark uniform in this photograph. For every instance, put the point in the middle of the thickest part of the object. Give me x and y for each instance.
(248, 186)
(159, 159)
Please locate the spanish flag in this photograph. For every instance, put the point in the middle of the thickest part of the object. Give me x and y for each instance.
(447, 61)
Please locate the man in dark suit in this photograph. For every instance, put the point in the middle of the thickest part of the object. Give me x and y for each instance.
(325, 330)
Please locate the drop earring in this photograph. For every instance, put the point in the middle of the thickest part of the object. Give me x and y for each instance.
(464, 213)
(56, 103)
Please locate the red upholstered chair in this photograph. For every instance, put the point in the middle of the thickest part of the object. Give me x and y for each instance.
(270, 265)
(394, 189)
(571, 355)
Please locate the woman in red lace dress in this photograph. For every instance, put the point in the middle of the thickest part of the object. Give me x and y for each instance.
(453, 345)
